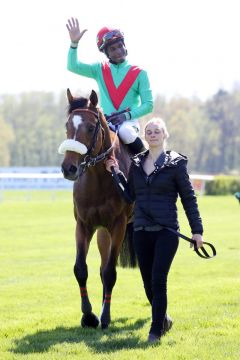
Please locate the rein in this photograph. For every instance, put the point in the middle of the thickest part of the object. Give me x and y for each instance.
(202, 252)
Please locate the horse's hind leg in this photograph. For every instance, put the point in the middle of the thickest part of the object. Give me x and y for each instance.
(81, 274)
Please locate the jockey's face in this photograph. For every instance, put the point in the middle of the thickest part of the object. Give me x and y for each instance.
(117, 52)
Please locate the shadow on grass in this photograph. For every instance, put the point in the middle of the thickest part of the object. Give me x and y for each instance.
(118, 336)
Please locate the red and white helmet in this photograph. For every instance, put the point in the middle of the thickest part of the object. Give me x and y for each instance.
(106, 36)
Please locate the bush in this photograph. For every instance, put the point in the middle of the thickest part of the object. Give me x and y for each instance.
(223, 185)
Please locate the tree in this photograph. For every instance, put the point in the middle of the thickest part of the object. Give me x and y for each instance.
(6, 138)
(224, 111)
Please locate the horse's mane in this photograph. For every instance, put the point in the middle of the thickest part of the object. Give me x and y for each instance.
(76, 104)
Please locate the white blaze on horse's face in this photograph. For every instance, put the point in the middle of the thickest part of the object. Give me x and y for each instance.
(77, 120)
(73, 144)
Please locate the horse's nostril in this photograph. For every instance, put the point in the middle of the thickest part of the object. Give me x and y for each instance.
(72, 169)
(64, 170)
(69, 171)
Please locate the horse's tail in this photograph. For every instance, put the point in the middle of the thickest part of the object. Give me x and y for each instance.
(127, 256)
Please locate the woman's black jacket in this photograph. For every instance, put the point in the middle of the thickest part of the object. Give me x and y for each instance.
(156, 195)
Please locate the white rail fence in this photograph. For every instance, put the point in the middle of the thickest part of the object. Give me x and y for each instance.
(52, 178)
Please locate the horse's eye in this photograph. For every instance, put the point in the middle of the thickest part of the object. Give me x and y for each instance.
(90, 128)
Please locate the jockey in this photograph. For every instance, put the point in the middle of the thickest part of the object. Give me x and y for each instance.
(124, 90)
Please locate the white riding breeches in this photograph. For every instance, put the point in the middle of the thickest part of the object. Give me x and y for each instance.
(128, 131)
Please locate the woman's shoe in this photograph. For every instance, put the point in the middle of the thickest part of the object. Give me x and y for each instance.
(167, 324)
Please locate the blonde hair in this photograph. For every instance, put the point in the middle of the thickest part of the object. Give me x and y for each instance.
(162, 125)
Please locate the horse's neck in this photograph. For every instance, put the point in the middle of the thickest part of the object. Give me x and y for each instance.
(97, 170)
(97, 177)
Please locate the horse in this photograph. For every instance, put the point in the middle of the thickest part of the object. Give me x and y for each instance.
(98, 204)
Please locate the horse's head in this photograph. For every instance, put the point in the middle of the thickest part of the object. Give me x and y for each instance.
(86, 133)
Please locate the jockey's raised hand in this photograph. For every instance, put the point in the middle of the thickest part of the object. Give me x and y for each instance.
(74, 31)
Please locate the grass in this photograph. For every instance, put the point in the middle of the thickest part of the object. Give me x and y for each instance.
(39, 296)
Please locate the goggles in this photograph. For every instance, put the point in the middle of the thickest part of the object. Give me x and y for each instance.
(112, 35)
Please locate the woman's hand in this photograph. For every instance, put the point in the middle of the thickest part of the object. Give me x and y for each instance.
(74, 30)
(198, 239)
(111, 161)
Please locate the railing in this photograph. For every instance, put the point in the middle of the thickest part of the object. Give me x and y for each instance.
(25, 180)
(34, 181)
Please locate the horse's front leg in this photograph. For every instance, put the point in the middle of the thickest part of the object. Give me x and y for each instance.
(83, 238)
(109, 271)
(103, 242)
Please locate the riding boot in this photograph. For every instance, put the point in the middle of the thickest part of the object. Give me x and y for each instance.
(137, 146)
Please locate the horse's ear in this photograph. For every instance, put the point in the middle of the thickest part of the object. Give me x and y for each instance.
(93, 98)
(69, 96)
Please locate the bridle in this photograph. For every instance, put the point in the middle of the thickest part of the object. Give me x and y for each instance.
(88, 159)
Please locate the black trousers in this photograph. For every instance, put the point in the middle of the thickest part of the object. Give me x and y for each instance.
(155, 252)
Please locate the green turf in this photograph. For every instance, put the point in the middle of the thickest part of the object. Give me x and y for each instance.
(39, 296)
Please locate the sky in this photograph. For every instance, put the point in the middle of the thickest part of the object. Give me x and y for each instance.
(188, 47)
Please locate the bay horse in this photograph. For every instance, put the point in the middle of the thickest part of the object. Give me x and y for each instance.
(98, 205)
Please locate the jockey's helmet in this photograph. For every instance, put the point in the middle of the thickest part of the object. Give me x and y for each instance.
(106, 36)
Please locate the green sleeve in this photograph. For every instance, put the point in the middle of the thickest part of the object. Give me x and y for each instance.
(146, 97)
(77, 67)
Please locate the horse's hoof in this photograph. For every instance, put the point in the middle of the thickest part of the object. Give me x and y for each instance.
(104, 326)
(89, 320)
